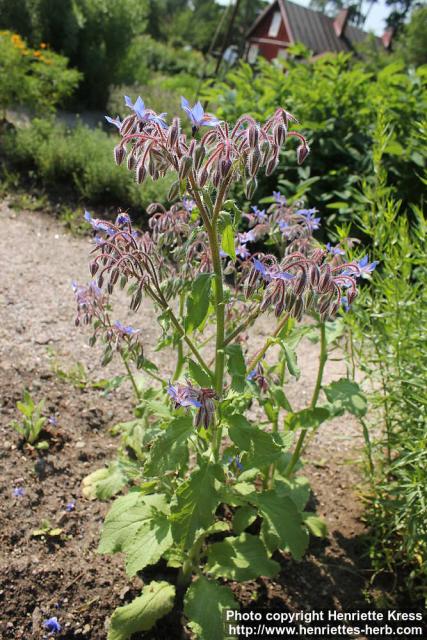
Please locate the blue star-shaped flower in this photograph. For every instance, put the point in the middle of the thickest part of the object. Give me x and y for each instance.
(197, 115)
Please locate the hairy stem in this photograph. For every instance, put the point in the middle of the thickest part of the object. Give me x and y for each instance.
(316, 392)
(131, 378)
(180, 346)
(258, 356)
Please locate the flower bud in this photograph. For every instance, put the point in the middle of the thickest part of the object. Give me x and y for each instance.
(202, 177)
(300, 283)
(325, 279)
(119, 154)
(272, 165)
(94, 266)
(325, 303)
(298, 309)
(250, 187)
(199, 155)
(140, 172)
(279, 134)
(173, 191)
(131, 161)
(314, 275)
(185, 166)
(224, 168)
(253, 136)
(265, 151)
(127, 125)
(290, 299)
(254, 161)
(173, 133)
(302, 152)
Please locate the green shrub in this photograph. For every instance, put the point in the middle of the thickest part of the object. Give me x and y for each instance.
(145, 55)
(338, 101)
(79, 158)
(390, 344)
(36, 78)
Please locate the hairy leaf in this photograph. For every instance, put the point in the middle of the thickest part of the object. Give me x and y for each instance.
(204, 605)
(104, 483)
(307, 418)
(346, 395)
(198, 302)
(127, 514)
(195, 505)
(141, 614)
(243, 518)
(169, 451)
(236, 367)
(283, 521)
(242, 558)
(149, 543)
(262, 447)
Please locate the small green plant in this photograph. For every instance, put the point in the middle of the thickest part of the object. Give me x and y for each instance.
(33, 421)
(46, 531)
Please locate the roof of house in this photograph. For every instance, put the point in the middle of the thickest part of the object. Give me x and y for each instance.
(313, 28)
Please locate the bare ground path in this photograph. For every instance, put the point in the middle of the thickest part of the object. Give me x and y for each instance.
(38, 262)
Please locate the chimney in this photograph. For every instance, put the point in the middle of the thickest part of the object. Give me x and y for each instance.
(387, 38)
(341, 21)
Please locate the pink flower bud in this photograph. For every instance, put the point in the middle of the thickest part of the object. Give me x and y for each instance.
(302, 152)
(119, 154)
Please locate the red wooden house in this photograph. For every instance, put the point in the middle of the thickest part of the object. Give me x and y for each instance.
(283, 23)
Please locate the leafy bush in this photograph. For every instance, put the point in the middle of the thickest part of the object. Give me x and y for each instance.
(337, 100)
(94, 34)
(145, 55)
(36, 78)
(79, 158)
(390, 342)
(214, 448)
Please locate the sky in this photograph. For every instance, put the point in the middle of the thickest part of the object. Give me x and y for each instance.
(375, 21)
(376, 18)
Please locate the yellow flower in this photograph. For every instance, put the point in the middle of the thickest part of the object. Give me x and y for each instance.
(43, 45)
(37, 54)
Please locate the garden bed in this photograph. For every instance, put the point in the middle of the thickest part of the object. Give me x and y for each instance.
(62, 575)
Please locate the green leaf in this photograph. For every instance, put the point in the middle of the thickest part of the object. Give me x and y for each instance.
(195, 505)
(315, 525)
(227, 242)
(104, 483)
(242, 558)
(198, 374)
(141, 614)
(298, 490)
(307, 418)
(169, 451)
(291, 360)
(346, 395)
(236, 367)
(198, 302)
(261, 446)
(204, 605)
(243, 518)
(127, 514)
(281, 521)
(149, 543)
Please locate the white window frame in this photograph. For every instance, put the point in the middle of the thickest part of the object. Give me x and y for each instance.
(275, 25)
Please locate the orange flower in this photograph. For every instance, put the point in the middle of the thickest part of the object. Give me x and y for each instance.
(43, 45)
(37, 54)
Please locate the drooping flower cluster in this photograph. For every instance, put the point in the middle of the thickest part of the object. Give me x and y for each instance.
(201, 398)
(222, 155)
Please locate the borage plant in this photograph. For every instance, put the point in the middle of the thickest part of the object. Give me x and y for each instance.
(213, 489)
